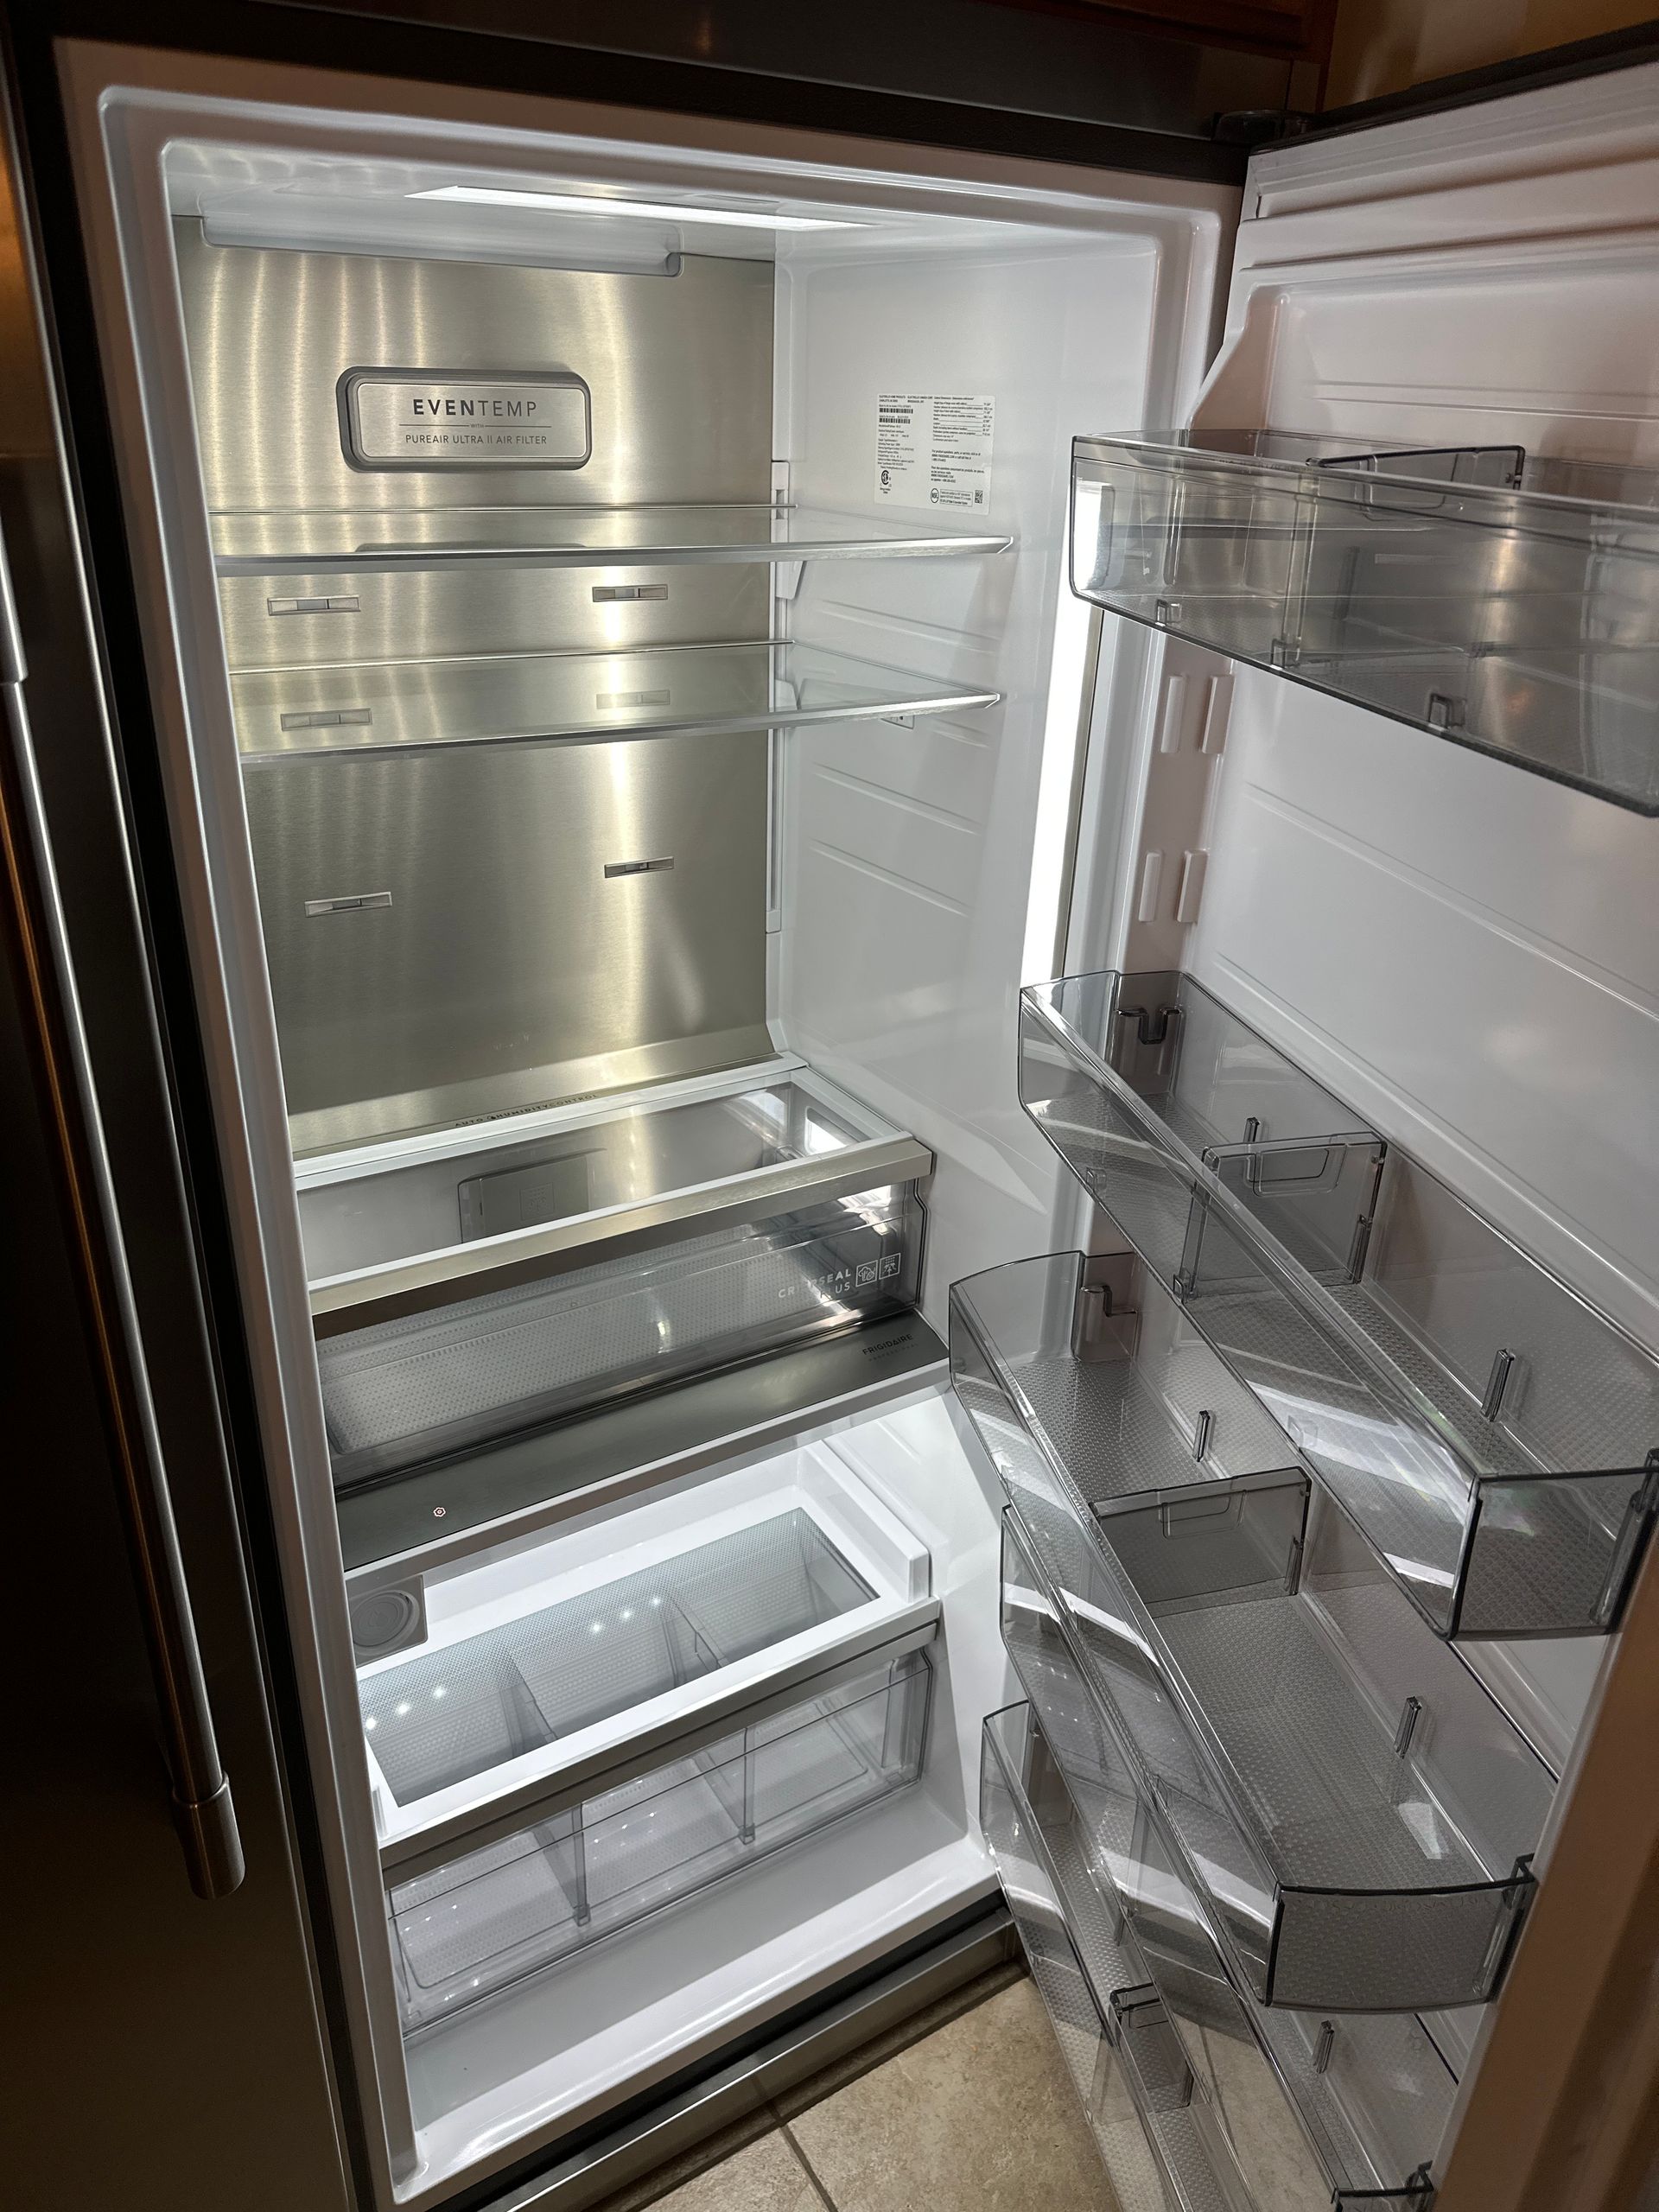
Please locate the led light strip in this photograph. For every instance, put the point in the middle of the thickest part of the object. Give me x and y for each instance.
(573, 203)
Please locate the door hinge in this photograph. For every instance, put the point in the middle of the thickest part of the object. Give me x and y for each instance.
(1259, 126)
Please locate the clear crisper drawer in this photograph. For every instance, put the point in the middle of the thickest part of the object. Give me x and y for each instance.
(413, 1225)
(1355, 1811)
(454, 1712)
(1497, 600)
(1491, 1431)
(518, 1676)
(487, 1919)
(406, 1391)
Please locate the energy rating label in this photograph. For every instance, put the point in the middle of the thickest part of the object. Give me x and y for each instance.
(933, 449)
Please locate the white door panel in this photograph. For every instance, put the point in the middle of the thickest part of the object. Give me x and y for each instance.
(1465, 952)
(1468, 955)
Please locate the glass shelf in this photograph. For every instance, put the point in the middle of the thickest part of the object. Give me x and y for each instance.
(1358, 1813)
(377, 708)
(474, 1925)
(1278, 1685)
(283, 542)
(1493, 1434)
(1301, 2114)
(1500, 602)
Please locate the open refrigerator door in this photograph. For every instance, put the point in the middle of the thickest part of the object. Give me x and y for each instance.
(1329, 1446)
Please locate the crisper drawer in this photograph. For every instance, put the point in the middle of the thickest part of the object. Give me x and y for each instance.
(1355, 1861)
(479, 1921)
(417, 1388)
(519, 1679)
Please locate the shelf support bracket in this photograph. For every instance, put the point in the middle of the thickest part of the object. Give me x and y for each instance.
(1105, 1322)
(1517, 1903)
(1144, 1055)
(1420, 2190)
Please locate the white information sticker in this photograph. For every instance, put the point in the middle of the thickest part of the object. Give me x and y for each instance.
(933, 450)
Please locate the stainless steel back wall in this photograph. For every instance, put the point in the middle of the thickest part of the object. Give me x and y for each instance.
(679, 367)
(454, 611)
(508, 970)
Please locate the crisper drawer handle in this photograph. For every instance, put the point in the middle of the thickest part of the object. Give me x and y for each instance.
(203, 1813)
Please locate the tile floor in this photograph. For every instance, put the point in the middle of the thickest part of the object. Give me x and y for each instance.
(966, 2108)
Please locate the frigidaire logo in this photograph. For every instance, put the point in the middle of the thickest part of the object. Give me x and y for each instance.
(474, 410)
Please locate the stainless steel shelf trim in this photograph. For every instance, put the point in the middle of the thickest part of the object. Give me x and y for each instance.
(376, 1156)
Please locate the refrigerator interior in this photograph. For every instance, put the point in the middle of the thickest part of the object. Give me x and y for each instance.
(878, 769)
(618, 880)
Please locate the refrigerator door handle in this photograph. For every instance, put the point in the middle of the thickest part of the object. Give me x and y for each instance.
(202, 1809)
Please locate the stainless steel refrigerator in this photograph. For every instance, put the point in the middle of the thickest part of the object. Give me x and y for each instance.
(821, 1147)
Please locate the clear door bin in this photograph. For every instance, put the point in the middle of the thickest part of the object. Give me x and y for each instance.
(407, 1391)
(1159, 2137)
(1301, 2113)
(1500, 600)
(1354, 1810)
(1493, 1434)
(485, 1919)
(1107, 1391)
